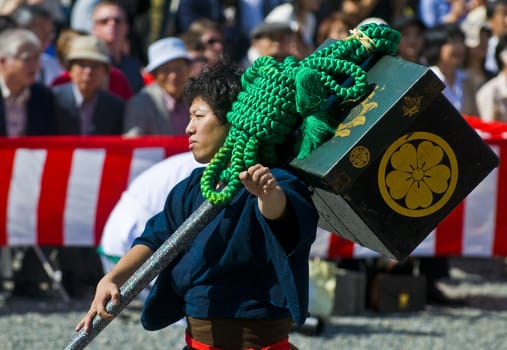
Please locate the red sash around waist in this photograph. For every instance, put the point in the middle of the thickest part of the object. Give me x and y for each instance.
(196, 345)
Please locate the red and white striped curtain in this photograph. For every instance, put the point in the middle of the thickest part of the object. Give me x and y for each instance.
(60, 190)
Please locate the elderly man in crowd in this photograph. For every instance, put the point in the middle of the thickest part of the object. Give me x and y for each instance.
(84, 106)
(26, 108)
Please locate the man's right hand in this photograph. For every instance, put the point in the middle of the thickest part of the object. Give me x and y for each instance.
(106, 290)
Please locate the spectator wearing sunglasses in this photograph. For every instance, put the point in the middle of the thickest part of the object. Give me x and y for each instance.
(211, 38)
(110, 25)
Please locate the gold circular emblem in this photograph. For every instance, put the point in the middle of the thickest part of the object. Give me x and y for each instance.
(418, 174)
(359, 157)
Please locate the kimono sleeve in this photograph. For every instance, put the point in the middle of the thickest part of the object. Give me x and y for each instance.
(292, 269)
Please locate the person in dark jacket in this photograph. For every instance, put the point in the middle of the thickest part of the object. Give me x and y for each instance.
(26, 109)
(84, 106)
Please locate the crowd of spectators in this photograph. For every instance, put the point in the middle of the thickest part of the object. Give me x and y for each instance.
(456, 38)
(73, 60)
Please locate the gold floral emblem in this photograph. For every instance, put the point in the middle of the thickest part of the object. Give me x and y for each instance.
(418, 174)
(411, 105)
(359, 157)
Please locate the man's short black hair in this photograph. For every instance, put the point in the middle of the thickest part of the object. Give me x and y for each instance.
(218, 86)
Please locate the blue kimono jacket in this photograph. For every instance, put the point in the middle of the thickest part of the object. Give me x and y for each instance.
(239, 265)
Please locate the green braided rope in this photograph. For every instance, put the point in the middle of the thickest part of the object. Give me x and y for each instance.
(279, 97)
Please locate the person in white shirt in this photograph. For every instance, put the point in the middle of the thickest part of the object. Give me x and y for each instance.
(497, 19)
(143, 198)
(444, 51)
(491, 98)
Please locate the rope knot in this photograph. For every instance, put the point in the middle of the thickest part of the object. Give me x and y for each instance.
(311, 103)
(364, 39)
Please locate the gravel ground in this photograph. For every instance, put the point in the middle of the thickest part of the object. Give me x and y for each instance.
(481, 324)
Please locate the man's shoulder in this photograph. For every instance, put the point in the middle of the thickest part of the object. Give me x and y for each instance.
(62, 88)
(148, 92)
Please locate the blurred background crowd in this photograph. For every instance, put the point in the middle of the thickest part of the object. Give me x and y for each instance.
(90, 67)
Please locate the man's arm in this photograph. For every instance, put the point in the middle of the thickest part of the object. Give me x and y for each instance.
(108, 287)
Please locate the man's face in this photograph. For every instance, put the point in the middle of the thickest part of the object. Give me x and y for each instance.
(88, 76)
(498, 21)
(453, 52)
(172, 76)
(22, 67)
(206, 133)
(411, 43)
(110, 24)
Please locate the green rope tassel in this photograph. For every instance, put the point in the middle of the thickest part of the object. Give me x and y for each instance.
(277, 98)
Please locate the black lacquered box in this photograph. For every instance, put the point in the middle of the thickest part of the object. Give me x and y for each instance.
(399, 162)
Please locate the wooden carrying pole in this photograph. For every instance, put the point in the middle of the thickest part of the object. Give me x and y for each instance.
(161, 258)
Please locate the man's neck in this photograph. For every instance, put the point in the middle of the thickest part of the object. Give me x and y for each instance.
(82, 97)
(116, 52)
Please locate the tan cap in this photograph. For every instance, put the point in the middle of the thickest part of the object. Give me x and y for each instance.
(88, 47)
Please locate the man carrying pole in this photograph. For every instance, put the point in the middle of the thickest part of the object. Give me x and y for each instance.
(237, 265)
